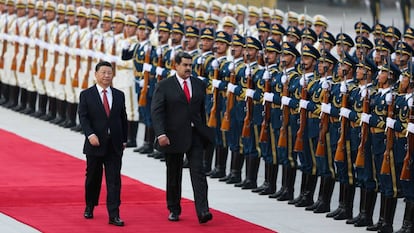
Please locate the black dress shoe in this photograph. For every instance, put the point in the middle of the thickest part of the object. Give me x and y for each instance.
(88, 214)
(173, 217)
(205, 217)
(116, 221)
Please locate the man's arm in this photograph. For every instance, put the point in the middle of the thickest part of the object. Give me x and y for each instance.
(158, 113)
(124, 120)
(84, 115)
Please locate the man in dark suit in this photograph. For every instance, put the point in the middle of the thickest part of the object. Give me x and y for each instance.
(178, 113)
(103, 119)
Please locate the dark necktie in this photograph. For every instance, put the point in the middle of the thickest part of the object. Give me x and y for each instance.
(106, 103)
(186, 91)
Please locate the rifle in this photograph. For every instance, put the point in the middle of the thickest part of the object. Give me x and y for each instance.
(408, 161)
(283, 136)
(159, 62)
(42, 74)
(85, 81)
(6, 31)
(66, 59)
(249, 106)
(16, 48)
(225, 123)
(143, 96)
(385, 167)
(55, 57)
(360, 159)
(22, 66)
(212, 120)
(264, 130)
(37, 50)
(75, 80)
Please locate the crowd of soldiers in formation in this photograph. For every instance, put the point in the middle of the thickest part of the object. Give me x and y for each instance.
(274, 91)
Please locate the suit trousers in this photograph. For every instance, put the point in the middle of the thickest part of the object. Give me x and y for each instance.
(112, 163)
(174, 162)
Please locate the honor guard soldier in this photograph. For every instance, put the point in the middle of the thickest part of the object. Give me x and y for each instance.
(3, 15)
(130, 8)
(192, 35)
(308, 37)
(253, 18)
(163, 13)
(362, 29)
(177, 35)
(277, 32)
(307, 134)
(164, 34)
(263, 28)
(361, 138)
(392, 35)
(320, 24)
(326, 41)
(305, 21)
(266, 14)
(292, 19)
(212, 21)
(200, 19)
(229, 25)
(278, 17)
(215, 112)
(363, 46)
(409, 36)
(241, 12)
(124, 80)
(403, 55)
(383, 49)
(144, 57)
(293, 35)
(188, 17)
(344, 44)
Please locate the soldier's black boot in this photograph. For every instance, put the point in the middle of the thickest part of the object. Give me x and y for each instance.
(71, 115)
(302, 190)
(149, 146)
(328, 187)
(5, 89)
(346, 212)
(390, 205)
(251, 180)
(282, 189)
(272, 173)
(237, 161)
(377, 225)
(208, 154)
(227, 177)
(290, 185)
(139, 149)
(266, 180)
(41, 110)
(23, 101)
(307, 198)
(320, 194)
(246, 171)
(60, 112)
(132, 134)
(51, 114)
(361, 207)
(366, 213)
(31, 103)
(221, 161)
(341, 206)
(407, 226)
(13, 97)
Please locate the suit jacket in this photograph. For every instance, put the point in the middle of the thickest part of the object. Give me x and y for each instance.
(94, 120)
(172, 114)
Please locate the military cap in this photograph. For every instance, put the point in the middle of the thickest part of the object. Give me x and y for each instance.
(368, 64)
(263, 26)
(2, 1)
(294, 31)
(145, 24)
(327, 37)
(87, 3)
(188, 14)
(292, 16)
(309, 33)
(10, 3)
(240, 9)
(163, 11)
(266, 12)
(177, 28)
(222, 36)
(327, 57)
(191, 31)
(130, 5)
(305, 18)
(382, 44)
(349, 60)
(150, 9)
(391, 31)
(378, 29)
(140, 7)
(164, 26)
(190, 4)
(81, 12)
(343, 38)
(106, 16)
(108, 3)
(229, 22)
(31, 4)
(320, 20)
(311, 51)
(97, 3)
(177, 11)
(279, 14)
(39, 5)
(119, 5)
(229, 8)
(278, 29)
(118, 17)
(50, 6)
(289, 48)
(207, 33)
(216, 5)
(404, 48)
(131, 20)
(61, 8)
(254, 11)
(213, 19)
(238, 39)
(20, 4)
(273, 46)
(202, 6)
(392, 68)
(409, 33)
(364, 42)
(180, 3)
(252, 42)
(361, 27)
(94, 14)
(200, 16)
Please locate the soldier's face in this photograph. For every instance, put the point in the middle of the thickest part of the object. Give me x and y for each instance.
(10, 9)
(343, 70)
(276, 37)
(360, 73)
(323, 67)
(229, 30)
(252, 20)
(21, 12)
(93, 23)
(340, 48)
(263, 35)
(287, 59)
(306, 40)
(163, 37)
(240, 18)
(404, 82)
(106, 26)
(82, 22)
(409, 41)
(192, 42)
(130, 30)
(382, 77)
(308, 62)
(292, 39)
(40, 14)
(176, 38)
(118, 27)
(221, 47)
(30, 13)
(61, 18)
(237, 51)
(271, 57)
(380, 56)
(50, 15)
(207, 44)
(318, 29)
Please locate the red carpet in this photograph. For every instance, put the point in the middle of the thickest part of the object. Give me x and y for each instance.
(43, 188)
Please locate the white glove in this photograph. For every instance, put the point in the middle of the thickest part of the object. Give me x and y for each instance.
(283, 79)
(364, 93)
(410, 102)
(388, 98)
(249, 93)
(141, 82)
(365, 117)
(325, 85)
(247, 71)
(231, 87)
(302, 81)
(146, 67)
(326, 108)
(126, 45)
(268, 96)
(172, 72)
(231, 67)
(410, 127)
(215, 83)
(344, 112)
(159, 70)
(215, 64)
(200, 60)
(266, 75)
(159, 51)
(303, 104)
(201, 78)
(390, 123)
(343, 88)
(286, 100)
